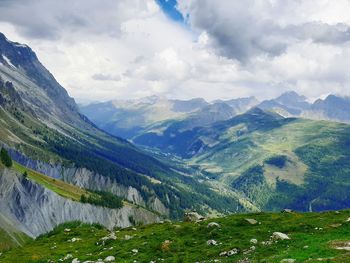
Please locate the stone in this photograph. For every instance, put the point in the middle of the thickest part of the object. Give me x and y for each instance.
(66, 230)
(280, 235)
(251, 221)
(222, 254)
(135, 251)
(212, 242)
(68, 256)
(109, 259)
(288, 260)
(111, 236)
(193, 217)
(286, 210)
(254, 241)
(213, 224)
(232, 252)
(76, 260)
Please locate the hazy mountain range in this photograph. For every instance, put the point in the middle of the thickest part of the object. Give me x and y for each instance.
(130, 118)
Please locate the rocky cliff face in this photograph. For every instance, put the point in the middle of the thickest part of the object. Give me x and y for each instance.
(36, 210)
(87, 179)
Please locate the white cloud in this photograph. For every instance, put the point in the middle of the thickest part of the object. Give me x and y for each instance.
(105, 49)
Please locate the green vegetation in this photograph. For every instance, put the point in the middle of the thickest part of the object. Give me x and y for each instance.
(314, 237)
(102, 198)
(64, 189)
(5, 158)
(278, 161)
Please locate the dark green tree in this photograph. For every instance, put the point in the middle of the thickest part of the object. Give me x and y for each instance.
(5, 158)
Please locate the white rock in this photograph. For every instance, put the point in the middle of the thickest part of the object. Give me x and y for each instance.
(212, 242)
(251, 221)
(68, 256)
(135, 251)
(254, 241)
(213, 224)
(280, 235)
(224, 253)
(76, 260)
(288, 260)
(232, 252)
(67, 230)
(109, 259)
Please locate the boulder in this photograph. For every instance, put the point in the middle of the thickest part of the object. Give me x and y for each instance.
(109, 259)
(193, 217)
(280, 235)
(251, 221)
(213, 224)
(287, 210)
(254, 241)
(288, 260)
(212, 242)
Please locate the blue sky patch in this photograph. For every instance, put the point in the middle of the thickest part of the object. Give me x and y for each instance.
(169, 8)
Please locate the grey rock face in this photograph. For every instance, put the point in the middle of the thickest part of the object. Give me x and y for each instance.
(87, 179)
(36, 210)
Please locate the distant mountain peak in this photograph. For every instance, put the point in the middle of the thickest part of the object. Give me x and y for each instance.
(292, 95)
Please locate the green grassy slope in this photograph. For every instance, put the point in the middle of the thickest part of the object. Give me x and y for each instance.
(314, 237)
(9, 236)
(64, 189)
(269, 161)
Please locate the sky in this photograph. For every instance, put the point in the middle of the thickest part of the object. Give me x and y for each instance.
(216, 49)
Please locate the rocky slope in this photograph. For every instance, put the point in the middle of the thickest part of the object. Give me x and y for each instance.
(35, 210)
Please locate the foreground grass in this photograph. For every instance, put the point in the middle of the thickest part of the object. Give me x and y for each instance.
(314, 237)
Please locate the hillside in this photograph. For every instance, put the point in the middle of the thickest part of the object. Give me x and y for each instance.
(270, 161)
(312, 237)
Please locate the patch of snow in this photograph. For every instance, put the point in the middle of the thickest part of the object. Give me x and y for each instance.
(8, 61)
(21, 45)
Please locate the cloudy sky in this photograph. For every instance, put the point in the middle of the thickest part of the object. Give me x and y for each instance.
(116, 49)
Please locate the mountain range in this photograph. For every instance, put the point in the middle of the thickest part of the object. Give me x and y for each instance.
(128, 163)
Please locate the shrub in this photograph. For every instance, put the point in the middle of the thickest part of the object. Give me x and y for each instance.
(5, 158)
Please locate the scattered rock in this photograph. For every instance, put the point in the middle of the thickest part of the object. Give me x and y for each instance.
(213, 224)
(76, 260)
(222, 254)
(68, 256)
(254, 241)
(251, 221)
(67, 230)
(127, 237)
(74, 239)
(109, 259)
(232, 252)
(288, 260)
(135, 251)
(280, 235)
(212, 242)
(134, 228)
(287, 210)
(341, 245)
(111, 236)
(305, 247)
(193, 217)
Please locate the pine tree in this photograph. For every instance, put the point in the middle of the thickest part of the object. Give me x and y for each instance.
(5, 158)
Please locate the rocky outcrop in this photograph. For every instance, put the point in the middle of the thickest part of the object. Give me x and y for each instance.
(87, 179)
(34, 209)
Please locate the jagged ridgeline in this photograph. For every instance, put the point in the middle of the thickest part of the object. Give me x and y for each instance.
(42, 130)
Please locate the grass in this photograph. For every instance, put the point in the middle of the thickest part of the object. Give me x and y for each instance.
(314, 236)
(63, 189)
